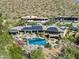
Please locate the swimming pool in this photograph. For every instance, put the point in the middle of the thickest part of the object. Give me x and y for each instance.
(37, 41)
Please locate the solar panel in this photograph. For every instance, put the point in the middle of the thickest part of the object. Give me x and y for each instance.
(26, 28)
(74, 28)
(33, 28)
(37, 28)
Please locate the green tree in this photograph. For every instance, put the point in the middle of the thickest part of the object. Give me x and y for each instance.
(77, 38)
(15, 53)
(0, 14)
(37, 54)
(48, 45)
(70, 53)
(1, 26)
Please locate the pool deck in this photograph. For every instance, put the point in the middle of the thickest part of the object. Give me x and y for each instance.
(28, 48)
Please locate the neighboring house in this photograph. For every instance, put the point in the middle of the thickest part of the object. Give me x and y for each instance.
(34, 19)
(66, 19)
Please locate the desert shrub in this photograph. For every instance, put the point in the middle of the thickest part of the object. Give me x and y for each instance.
(48, 45)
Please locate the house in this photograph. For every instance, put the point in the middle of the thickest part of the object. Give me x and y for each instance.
(66, 19)
(52, 31)
(30, 29)
(34, 19)
(15, 30)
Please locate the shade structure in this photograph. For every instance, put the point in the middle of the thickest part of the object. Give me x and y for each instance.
(74, 28)
(52, 29)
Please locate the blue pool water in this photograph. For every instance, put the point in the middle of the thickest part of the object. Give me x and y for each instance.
(37, 41)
